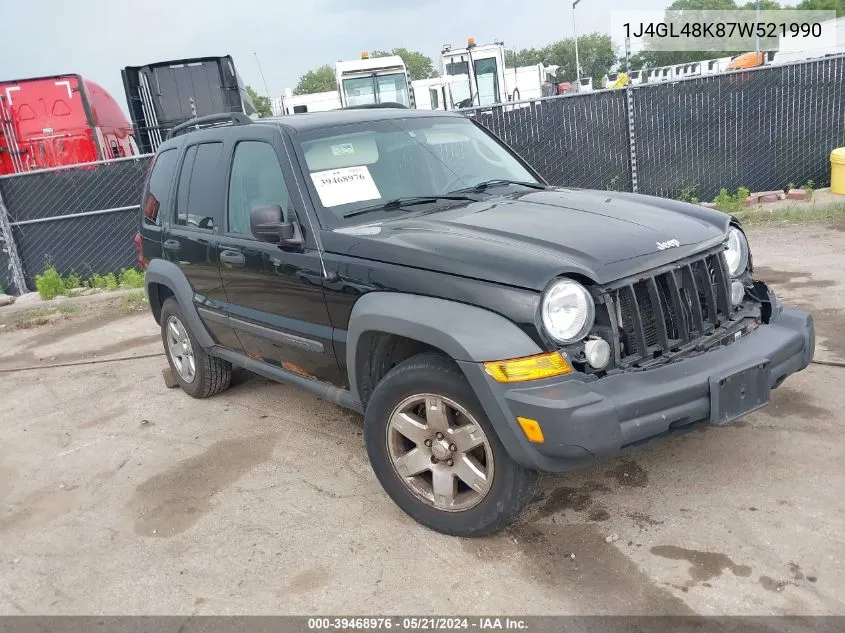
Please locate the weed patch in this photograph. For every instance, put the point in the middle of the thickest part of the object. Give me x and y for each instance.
(50, 283)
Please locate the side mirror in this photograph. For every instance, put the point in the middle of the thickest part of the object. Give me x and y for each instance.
(267, 224)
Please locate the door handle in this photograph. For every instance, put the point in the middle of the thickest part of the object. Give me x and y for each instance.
(172, 245)
(232, 257)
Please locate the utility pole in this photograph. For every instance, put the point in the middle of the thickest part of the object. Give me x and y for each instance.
(577, 61)
(757, 35)
(266, 89)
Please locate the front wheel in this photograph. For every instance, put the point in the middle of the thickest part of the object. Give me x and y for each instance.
(436, 454)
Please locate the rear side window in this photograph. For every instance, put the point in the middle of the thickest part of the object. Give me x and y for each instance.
(198, 199)
(158, 186)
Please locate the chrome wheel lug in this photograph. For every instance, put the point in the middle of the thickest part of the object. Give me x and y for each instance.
(439, 436)
(428, 443)
(434, 460)
(453, 448)
(449, 462)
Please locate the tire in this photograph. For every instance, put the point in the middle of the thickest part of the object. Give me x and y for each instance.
(434, 378)
(210, 375)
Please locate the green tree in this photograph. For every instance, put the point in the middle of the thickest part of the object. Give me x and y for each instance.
(525, 57)
(262, 104)
(595, 52)
(419, 65)
(824, 5)
(765, 5)
(649, 58)
(320, 79)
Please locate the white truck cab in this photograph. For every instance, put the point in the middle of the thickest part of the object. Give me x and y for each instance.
(475, 74)
(368, 80)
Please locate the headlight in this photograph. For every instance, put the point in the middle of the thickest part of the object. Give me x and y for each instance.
(568, 311)
(737, 253)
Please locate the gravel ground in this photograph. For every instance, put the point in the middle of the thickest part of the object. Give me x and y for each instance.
(120, 496)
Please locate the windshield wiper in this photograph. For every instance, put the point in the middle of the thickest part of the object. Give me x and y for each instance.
(407, 201)
(499, 182)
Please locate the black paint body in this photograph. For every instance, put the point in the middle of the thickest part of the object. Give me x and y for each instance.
(290, 305)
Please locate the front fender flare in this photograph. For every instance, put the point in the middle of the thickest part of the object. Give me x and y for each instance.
(464, 332)
(468, 334)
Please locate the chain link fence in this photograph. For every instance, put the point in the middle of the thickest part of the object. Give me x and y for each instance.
(80, 219)
(578, 141)
(761, 129)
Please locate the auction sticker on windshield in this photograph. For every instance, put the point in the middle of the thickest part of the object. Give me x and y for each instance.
(345, 185)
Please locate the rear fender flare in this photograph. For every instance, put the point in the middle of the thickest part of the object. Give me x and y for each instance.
(168, 274)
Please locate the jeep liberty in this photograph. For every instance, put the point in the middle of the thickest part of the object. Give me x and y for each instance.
(409, 266)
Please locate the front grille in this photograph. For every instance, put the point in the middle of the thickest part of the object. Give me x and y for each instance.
(674, 307)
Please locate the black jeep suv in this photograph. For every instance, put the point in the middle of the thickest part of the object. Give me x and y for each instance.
(410, 266)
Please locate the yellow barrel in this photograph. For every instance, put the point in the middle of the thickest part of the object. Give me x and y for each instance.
(837, 170)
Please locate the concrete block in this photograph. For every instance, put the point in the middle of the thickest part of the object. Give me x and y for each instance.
(709, 205)
(751, 200)
(797, 194)
(169, 378)
(769, 197)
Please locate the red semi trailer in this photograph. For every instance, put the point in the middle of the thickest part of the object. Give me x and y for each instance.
(60, 120)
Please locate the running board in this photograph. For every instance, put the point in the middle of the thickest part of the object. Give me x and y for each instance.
(318, 388)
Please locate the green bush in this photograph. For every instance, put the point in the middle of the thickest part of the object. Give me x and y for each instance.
(103, 282)
(50, 283)
(809, 188)
(111, 282)
(689, 194)
(73, 281)
(731, 203)
(131, 278)
(95, 281)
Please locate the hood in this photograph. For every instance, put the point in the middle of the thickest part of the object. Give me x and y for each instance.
(526, 240)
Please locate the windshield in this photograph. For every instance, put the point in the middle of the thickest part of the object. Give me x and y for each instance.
(488, 81)
(376, 89)
(356, 166)
(460, 86)
(359, 91)
(392, 88)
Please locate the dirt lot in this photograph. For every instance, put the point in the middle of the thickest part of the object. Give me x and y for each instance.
(118, 495)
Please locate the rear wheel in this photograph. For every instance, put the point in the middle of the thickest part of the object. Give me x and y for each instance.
(199, 374)
(436, 454)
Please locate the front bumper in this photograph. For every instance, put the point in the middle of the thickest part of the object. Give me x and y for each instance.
(583, 421)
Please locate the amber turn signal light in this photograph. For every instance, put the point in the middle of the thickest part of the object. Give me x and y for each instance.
(528, 367)
(532, 430)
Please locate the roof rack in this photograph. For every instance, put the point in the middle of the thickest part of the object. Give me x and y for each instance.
(368, 106)
(210, 120)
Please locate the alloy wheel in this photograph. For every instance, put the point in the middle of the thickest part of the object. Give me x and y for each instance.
(440, 452)
(181, 350)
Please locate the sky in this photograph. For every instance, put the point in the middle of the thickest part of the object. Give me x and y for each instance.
(97, 38)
